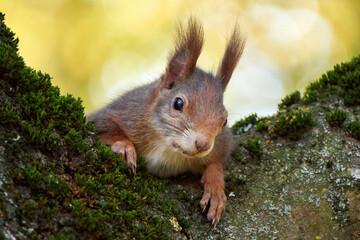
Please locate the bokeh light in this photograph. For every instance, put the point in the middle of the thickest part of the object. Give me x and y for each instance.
(97, 49)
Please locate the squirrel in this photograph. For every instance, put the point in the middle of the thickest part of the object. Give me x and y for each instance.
(178, 122)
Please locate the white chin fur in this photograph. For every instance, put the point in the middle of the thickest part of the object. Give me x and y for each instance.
(196, 155)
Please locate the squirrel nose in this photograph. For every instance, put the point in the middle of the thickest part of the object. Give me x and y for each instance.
(202, 145)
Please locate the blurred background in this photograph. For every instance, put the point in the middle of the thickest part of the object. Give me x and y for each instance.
(97, 49)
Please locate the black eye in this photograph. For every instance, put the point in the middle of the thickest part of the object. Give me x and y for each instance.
(178, 104)
(225, 123)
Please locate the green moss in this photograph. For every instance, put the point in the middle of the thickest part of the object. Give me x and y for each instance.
(75, 140)
(262, 126)
(64, 234)
(336, 118)
(254, 147)
(2, 236)
(350, 81)
(7, 115)
(312, 92)
(14, 150)
(354, 129)
(243, 124)
(293, 125)
(347, 76)
(290, 99)
(36, 180)
(54, 156)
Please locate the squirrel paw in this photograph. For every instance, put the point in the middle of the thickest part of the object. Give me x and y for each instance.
(125, 149)
(217, 199)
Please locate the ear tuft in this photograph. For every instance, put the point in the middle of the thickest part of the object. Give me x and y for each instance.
(233, 52)
(191, 38)
(182, 62)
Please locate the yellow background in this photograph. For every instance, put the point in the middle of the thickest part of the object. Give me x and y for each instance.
(96, 49)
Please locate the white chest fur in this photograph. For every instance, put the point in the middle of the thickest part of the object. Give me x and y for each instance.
(163, 161)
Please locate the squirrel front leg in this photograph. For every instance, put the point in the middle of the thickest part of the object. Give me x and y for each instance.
(113, 133)
(213, 181)
(123, 147)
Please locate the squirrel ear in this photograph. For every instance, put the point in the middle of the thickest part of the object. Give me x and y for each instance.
(175, 68)
(182, 62)
(233, 52)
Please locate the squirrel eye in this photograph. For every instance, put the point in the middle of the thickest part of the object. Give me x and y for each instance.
(178, 104)
(225, 123)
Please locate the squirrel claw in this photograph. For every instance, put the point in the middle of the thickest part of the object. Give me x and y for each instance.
(215, 197)
(125, 149)
(214, 222)
(203, 204)
(204, 208)
(132, 168)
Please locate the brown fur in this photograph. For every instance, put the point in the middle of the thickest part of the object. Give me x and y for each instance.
(145, 122)
(189, 41)
(233, 52)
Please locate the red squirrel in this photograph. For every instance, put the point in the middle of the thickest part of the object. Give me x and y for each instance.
(178, 122)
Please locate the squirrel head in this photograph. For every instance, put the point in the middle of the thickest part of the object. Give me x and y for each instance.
(188, 108)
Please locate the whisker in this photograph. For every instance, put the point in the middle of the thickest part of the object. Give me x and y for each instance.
(173, 127)
(187, 125)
